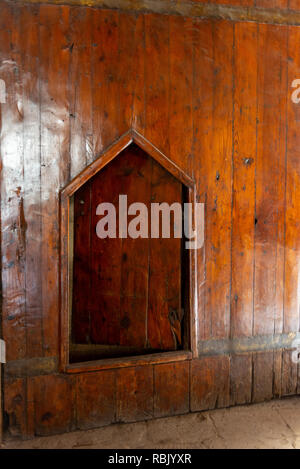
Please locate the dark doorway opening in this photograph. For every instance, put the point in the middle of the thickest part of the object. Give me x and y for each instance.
(129, 296)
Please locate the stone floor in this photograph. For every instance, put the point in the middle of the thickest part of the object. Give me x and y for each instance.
(274, 424)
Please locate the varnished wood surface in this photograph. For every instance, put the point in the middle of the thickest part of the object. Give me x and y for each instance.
(93, 399)
(125, 289)
(74, 86)
(265, 11)
(126, 166)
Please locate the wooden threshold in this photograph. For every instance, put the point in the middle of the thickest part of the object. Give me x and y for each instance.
(110, 363)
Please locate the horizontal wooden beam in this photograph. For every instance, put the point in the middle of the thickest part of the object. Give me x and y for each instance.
(126, 362)
(31, 367)
(257, 343)
(187, 8)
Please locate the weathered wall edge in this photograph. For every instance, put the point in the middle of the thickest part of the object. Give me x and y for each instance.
(186, 8)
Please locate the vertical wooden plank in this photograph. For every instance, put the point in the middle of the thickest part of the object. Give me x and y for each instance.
(81, 123)
(277, 372)
(269, 228)
(157, 80)
(134, 394)
(181, 89)
(240, 379)
(81, 266)
(171, 389)
(219, 181)
(30, 417)
(289, 374)
(12, 186)
(210, 383)
(262, 376)
(126, 68)
(105, 56)
(32, 203)
(136, 183)
(15, 406)
(280, 250)
(104, 301)
(119, 295)
(292, 213)
(294, 5)
(95, 399)
(138, 117)
(54, 404)
(245, 89)
(5, 40)
(203, 125)
(54, 73)
(164, 269)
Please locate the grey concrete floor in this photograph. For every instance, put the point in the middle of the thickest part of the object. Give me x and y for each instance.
(274, 424)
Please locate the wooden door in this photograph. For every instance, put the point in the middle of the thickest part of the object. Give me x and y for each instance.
(127, 293)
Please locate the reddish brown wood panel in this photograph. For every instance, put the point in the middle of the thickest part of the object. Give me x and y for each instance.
(240, 379)
(127, 69)
(292, 210)
(220, 183)
(164, 272)
(81, 123)
(96, 399)
(181, 91)
(171, 389)
(124, 289)
(263, 365)
(272, 3)
(134, 262)
(134, 394)
(157, 81)
(13, 227)
(31, 158)
(244, 162)
(105, 257)
(138, 105)
(213, 166)
(53, 409)
(294, 5)
(202, 114)
(54, 60)
(289, 374)
(105, 59)
(15, 406)
(210, 383)
(277, 383)
(81, 266)
(270, 185)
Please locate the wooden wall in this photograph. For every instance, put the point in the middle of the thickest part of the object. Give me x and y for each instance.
(281, 4)
(215, 97)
